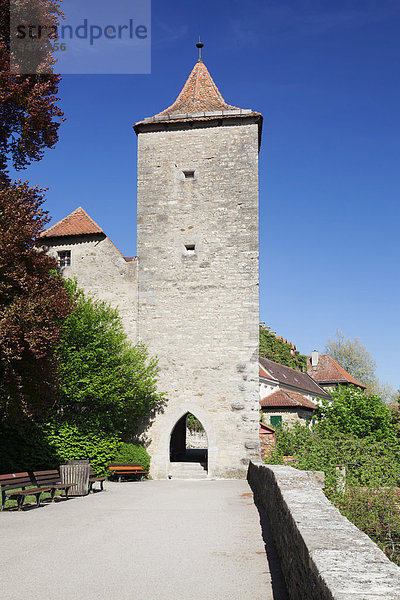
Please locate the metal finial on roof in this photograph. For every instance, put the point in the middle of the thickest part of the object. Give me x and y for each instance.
(199, 45)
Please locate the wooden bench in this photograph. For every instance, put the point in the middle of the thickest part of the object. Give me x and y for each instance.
(93, 479)
(120, 469)
(11, 481)
(53, 480)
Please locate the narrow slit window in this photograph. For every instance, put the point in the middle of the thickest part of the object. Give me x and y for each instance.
(64, 258)
(188, 174)
(190, 248)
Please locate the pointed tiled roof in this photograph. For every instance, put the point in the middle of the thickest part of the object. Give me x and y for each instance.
(200, 99)
(76, 223)
(328, 371)
(199, 94)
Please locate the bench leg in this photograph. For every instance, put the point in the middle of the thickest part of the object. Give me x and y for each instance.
(3, 499)
(119, 479)
(53, 494)
(66, 493)
(38, 494)
(20, 501)
(101, 486)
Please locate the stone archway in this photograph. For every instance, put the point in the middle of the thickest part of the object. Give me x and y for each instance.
(188, 442)
(163, 455)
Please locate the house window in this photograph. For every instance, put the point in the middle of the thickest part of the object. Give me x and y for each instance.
(64, 258)
(188, 174)
(276, 421)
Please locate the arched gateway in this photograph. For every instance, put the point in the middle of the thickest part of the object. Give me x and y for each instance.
(198, 272)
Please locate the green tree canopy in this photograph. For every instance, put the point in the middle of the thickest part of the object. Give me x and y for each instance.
(104, 378)
(358, 414)
(353, 356)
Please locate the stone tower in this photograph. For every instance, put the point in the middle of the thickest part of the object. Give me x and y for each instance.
(198, 273)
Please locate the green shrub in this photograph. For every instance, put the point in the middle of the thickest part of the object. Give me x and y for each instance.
(377, 513)
(371, 500)
(193, 424)
(133, 453)
(80, 441)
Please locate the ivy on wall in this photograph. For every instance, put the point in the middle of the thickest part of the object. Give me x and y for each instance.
(279, 351)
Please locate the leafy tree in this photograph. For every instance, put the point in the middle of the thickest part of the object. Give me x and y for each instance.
(29, 114)
(353, 356)
(105, 380)
(277, 350)
(356, 413)
(32, 303)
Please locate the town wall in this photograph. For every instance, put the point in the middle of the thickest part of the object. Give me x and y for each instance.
(323, 556)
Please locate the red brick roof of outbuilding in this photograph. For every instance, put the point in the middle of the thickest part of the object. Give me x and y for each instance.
(76, 223)
(329, 371)
(199, 94)
(286, 398)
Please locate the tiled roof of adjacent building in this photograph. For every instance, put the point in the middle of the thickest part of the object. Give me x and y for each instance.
(291, 377)
(286, 398)
(200, 99)
(328, 371)
(76, 223)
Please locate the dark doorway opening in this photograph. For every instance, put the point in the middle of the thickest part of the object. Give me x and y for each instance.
(189, 441)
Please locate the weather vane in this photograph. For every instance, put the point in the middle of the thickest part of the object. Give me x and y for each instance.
(199, 46)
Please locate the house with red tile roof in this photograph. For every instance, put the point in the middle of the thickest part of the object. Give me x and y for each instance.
(286, 395)
(84, 251)
(328, 373)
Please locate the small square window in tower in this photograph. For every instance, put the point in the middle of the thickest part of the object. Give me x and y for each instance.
(64, 258)
(190, 249)
(189, 174)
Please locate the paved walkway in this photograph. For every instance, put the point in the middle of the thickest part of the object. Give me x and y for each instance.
(154, 540)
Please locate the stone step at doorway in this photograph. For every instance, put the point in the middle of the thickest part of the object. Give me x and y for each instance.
(186, 470)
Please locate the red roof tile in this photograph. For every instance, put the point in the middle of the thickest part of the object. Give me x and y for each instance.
(200, 99)
(199, 94)
(77, 223)
(329, 371)
(287, 398)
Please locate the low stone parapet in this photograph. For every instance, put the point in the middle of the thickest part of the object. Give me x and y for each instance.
(323, 555)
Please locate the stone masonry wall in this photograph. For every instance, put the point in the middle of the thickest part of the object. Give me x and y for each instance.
(102, 272)
(290, 416)
(198, 308)
(323, 555)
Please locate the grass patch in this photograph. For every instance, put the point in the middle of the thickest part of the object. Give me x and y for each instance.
(29, 499)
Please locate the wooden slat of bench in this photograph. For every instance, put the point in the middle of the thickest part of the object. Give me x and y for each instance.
(113, 465)
(50, 478)
(11, 476)
(29, 491)
(124, 469)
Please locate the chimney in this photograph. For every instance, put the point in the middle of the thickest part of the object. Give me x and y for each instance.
(314, 358)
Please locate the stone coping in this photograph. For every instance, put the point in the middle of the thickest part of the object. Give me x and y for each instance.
(198, 115)
(323, 555)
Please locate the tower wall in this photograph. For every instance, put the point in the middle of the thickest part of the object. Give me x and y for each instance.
(198, 309)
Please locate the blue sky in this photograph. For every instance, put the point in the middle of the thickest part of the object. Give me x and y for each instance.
(325, 75)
